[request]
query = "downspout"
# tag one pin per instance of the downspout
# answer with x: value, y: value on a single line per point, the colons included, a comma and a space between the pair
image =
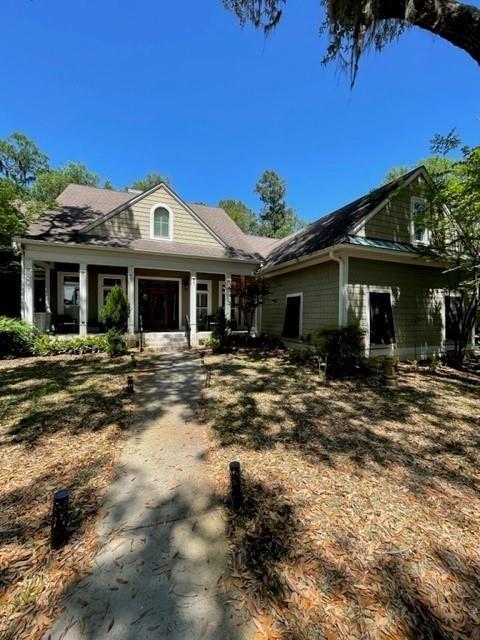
x: 342, y: 285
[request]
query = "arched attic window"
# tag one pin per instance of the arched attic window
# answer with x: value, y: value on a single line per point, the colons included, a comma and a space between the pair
x: 161, y: 222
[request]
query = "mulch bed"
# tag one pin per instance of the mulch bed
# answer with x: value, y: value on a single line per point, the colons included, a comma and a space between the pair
x: 63, y: 423
x: 362, y: 505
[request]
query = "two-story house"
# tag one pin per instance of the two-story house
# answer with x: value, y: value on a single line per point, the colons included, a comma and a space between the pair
x: 175, y: 260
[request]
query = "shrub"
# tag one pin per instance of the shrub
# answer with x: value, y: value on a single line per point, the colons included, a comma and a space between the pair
x: 44, y: 345
x: 16, y: 337
x: 344, y: 349
x: 212, y: 343
x: 116, y: 345
x: 116, y: 310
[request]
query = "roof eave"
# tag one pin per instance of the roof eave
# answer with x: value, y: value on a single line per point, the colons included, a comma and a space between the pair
x: 24, y: 240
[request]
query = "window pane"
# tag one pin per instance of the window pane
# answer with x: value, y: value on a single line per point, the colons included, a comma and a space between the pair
x: 161, y: 223
x: 291, y: 325
x: 111, y: 282
x: 453, y: 313
x: 39, y: 295
x: 202, y: 286
x: 381, y: 319
x: 71, y: 290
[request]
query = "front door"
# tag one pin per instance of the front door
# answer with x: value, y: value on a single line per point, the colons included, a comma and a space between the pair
x: 159, y: 305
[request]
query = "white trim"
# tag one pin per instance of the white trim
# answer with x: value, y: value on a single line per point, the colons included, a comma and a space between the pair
x: 300, y: 319
x: 83, y: 295
x: 131, y: 299
x: 27, y: 289
x: 193, y: 307
x: 426, y: 233
x: 388, y: 349
x: 60, y: 282
x: 137, y: 306
x: 42, y: 250
x: 421, y: 171
x: 100, y: 287
x: 161, y: 205
x: 209, y: 296
x: 209, y: 293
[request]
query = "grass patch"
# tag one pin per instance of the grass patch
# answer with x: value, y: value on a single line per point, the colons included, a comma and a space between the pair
x: 362, y: 504
x: 63, y: 420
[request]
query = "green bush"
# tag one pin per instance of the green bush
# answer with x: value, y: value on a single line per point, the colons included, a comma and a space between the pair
x: 115, y: 341
x: 16, y: 338
x: 44, y: 345
x: 116, y: 310
x: 212, y: 343
x: 343, y: 348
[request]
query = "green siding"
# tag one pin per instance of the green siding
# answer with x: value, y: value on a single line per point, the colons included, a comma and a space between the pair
x: 417, y: 299
x: 393, y: 221
x: 319, y: 285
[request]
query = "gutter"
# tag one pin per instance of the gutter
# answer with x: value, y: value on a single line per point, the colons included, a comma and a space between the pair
x: 342, y: 286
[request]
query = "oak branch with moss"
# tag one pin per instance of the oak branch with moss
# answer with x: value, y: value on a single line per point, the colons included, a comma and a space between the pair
x: 357, y: 25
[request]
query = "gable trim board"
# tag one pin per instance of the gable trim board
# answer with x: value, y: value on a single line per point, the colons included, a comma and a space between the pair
x: 138, y: 197
x: 362, y: 223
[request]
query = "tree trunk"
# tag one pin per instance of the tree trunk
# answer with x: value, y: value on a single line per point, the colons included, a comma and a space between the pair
x: 454, y: 21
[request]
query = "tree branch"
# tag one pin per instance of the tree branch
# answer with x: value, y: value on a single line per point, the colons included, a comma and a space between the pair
x: 454, y: 21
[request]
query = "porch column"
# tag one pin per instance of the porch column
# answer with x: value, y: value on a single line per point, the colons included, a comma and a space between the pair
x: 193, y: 306
x: 48, y: 308
x: 83, y: 295
x: 27, y: 289
x: 228, y: 297
x: 131, y: 299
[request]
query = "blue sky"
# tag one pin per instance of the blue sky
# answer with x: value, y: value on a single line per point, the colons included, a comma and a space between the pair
x: 130, y: 86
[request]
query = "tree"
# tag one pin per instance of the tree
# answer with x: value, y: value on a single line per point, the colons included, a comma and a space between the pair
x: 244, y: 217
x: 21, y: 160
x: 453, y: 219
x: 354, y: 26
x: 148, y: 181
x: 116, y: 310
x: 50, y: 184
x: 436, y: 166
x: 276, y: 219
x: 250, y: 293
x: 17, y: 210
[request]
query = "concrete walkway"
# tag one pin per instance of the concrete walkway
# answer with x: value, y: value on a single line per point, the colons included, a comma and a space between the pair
x: 164, y: 547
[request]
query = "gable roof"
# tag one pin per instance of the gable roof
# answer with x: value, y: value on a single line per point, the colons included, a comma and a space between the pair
x: 336, y: 226
x: 81, y: 208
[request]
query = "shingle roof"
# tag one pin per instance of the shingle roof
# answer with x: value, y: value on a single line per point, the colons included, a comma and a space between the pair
x: 263, y: 245
x: 221, y: 224
x: 80, y: 205
x: 331, y: 229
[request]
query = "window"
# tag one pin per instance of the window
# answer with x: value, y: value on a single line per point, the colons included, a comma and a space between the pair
x: 39, y: 294
x: 105, y: 285
x: 418, y: 231
x: 161, y: 223
x: 203, y: 304
x: 453, y: 313
x: 381, y: 319
x: 69, y: 294
x: 292, y: 324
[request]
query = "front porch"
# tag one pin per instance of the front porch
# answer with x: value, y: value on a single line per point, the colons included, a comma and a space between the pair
x: 67, y: 298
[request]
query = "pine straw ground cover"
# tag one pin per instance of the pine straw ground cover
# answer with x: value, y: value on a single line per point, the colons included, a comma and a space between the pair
x: 62, y: 423
x: 362, y: 506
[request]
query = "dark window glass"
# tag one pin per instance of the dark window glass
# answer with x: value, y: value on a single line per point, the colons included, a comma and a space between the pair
x: 39, y: 295
x: 453, y: 312
x: 381, y: 319
x: 291, y: 325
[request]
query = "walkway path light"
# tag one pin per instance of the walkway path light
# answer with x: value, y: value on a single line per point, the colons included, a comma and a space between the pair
x: 58, y: 535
